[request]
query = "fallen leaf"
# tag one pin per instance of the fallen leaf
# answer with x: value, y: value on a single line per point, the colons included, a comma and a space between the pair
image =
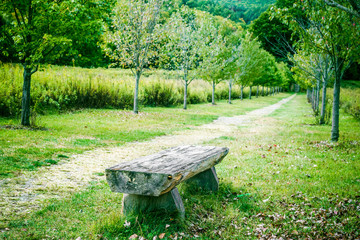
x: 167, y: 225
x: 161, y: 235
x: 134, y: 236
x: 127, y: 224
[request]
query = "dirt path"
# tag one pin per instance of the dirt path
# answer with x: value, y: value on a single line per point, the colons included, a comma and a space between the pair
x: 24, y: 194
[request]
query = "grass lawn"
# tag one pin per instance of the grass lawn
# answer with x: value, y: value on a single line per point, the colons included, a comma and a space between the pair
x: 78, y: 131
x: 282, y: 178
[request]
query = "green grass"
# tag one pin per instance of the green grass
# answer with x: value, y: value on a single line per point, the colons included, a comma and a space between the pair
x: 281, y: 178
x: 82, y: 130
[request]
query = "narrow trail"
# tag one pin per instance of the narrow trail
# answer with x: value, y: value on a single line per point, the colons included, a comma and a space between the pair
x: 24, y: 194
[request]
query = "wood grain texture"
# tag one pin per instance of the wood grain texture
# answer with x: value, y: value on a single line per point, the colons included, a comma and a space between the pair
x: 157, y: 174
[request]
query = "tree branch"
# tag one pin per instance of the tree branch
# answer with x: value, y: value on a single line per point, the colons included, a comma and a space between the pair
x: 332, y: 3
x: 35, y: 70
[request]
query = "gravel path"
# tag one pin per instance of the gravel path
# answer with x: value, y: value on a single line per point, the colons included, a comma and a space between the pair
x: 24, y: 194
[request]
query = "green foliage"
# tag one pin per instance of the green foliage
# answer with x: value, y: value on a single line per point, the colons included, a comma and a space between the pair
x: 87, y: 22
x: 272, y: 34
x: 129, y: 41
x: 248, y: 61
x: 237, y: 11
x: 269, y: 72
x: 35, y: 31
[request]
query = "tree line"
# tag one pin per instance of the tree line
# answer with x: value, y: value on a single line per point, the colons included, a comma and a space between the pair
x: 320, y: 40
x: 138, y: 35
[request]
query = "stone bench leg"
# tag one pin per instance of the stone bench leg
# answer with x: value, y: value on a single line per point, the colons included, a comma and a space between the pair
x: 170, y: 201
x: 206, y: 180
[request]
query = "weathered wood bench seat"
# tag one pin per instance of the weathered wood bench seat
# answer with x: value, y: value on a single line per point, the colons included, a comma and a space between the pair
x: 149, y: 182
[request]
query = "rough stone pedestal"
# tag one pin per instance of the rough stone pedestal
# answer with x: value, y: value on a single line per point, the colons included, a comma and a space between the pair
x: 206, y: 180
x: 170, y: 201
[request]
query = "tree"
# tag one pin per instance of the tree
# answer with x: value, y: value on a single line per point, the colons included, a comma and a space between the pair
x: 213, y: 63
x: 183, y: 47
x: 330, y: 31
x: 248, y: 57
x: 314, y: 69
x: 213, y: 51
x: 36, y: 32
x: 272, y: 33
x: 269, y: 69
x: 130, y: 40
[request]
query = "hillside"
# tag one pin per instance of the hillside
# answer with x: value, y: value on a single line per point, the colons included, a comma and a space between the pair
x: 236, y: 10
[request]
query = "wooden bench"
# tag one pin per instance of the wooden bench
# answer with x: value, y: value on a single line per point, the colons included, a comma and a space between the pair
x: 149, y: 182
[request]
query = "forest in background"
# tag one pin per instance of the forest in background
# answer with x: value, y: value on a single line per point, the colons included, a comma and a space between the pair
x: 237, y: 11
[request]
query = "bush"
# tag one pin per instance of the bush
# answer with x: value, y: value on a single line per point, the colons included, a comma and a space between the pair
x: 160, y: 93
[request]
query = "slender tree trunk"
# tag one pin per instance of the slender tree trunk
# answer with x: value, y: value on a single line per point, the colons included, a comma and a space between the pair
x: 250, y: 92
x: 185, y: 94
x: 313, y: 99
x: 262, y: 92
x: 308, y: 95
x: 230, y: 86
x: 25, y: 102
x: 242, y: 92
x: 136, y: 93
x: 323, y: 103
x: 267, y: 91
x: 257, y: 91
x: 317, y: 97
x: 336, y: 104
x: 213, y: 93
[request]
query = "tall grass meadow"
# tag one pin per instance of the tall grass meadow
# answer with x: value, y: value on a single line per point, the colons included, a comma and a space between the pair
x: 56, y: 88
